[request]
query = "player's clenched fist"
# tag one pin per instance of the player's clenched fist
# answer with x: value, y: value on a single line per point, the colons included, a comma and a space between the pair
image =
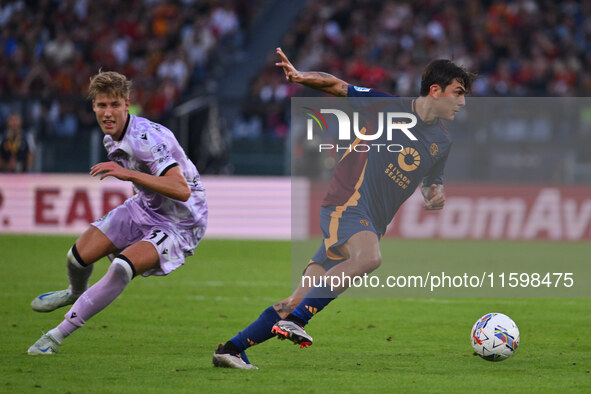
x: 434, y: 197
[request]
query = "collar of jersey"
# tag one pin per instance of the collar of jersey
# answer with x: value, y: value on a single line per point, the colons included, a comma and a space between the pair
x: 125, y: 128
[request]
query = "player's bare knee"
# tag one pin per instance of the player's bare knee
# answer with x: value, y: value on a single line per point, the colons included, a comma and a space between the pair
x: 374, y: 263
x: 365, y: 264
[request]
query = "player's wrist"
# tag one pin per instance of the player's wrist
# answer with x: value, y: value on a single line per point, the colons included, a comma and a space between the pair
x: 425, y: 191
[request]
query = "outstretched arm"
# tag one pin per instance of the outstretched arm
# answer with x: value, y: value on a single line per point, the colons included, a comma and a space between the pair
x: 313, y: 79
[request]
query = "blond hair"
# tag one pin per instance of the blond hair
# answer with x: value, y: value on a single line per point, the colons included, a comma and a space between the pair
x: 111, y: 83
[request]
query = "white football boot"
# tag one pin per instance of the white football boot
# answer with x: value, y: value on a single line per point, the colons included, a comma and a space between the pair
x: 45, y: 345
x: 51, y: 301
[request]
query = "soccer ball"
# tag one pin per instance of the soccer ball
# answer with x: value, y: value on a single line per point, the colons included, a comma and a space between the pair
x: 495, y: 337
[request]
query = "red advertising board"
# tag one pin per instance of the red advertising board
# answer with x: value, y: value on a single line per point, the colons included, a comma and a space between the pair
x: 490, y: 212
x: 239, y: 207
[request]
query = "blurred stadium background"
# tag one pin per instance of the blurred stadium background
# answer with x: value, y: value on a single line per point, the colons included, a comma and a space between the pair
x: 206, y: 70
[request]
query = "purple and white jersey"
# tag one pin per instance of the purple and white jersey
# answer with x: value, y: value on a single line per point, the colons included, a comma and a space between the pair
x: 151, y: 148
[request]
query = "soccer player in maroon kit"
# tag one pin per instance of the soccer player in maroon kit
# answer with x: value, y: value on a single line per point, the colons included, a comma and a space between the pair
x: 367, y: 188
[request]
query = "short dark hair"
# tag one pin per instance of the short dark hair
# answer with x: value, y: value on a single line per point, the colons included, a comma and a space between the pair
x: 443, y: 72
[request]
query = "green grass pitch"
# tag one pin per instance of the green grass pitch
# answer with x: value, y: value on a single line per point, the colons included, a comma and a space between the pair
x: 159, y: 335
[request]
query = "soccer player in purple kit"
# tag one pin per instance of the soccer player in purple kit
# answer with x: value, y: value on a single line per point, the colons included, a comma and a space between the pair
x: 151, y: 233
x: 366, y: 190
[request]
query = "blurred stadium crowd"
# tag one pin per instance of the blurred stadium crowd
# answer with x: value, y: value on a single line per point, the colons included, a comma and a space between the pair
x: 50, y: 48
x: 172, y: 49
x: 518, y: 48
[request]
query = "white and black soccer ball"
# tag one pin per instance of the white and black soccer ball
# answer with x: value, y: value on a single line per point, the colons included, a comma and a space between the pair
x: 495, y: 337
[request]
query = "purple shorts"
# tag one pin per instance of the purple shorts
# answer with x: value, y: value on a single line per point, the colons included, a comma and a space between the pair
x: 132, y: 222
